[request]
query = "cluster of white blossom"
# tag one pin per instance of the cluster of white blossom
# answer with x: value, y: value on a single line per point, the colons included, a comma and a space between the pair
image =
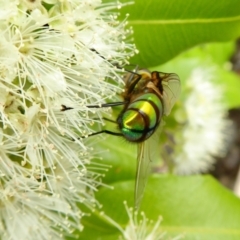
x: 52, y: 53
x: 204, y: 131
x: 140, y: 228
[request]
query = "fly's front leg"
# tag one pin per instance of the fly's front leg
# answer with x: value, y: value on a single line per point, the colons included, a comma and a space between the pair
x: 131, y: 80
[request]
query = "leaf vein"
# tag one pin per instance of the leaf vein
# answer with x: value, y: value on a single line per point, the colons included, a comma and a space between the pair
x: 184, y: 21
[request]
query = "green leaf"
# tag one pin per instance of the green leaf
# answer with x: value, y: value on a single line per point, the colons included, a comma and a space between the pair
x: 231, y: 85
x: 121, y: 156
x: 197, y: 207
x: 164, y: 28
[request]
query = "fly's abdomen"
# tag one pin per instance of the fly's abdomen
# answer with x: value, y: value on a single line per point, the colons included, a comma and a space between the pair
x: 139, y: 121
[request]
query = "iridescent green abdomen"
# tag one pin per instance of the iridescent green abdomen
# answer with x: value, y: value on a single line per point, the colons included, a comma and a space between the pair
x: 140, y: 118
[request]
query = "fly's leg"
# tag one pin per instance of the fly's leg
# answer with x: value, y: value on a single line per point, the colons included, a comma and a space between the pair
x: 65, y: 108
x: 113, y: 104
x: 131, y: 82
x: 100, y: 132
x: 104, y: 131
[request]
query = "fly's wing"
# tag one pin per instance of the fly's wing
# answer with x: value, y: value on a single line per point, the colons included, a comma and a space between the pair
x: 147, y: 152
x: 143, y: 163
x: 171, y: 90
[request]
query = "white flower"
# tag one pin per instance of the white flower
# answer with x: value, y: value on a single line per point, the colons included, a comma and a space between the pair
x: 143, y: 229
x: 205, y: 132
x: 52, y: 56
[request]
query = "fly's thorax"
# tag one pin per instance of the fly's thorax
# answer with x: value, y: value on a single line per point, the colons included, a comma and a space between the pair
x: 131, y: 76
x: 135, y: 82
x: 141, y: 117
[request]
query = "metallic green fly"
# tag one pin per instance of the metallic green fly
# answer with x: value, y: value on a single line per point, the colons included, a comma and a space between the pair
x: 147, y: 97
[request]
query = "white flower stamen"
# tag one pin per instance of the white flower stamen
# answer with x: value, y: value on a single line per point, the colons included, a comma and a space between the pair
x: 49, y: 57
x: 140, y: 229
